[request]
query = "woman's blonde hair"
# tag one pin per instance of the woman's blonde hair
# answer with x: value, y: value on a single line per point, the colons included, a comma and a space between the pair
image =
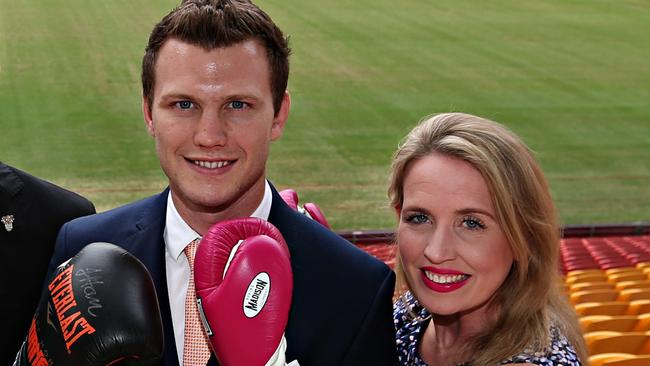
x: 529, y: 300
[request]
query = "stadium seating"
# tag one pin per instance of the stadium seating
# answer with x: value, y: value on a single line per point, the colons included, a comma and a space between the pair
x: 603, y: 341
x: 632, y: 284
x: 586, y: 277
x: 587, y: 286
x: 608, y: 253
x: 634, y: 294
x: 634, y: 360
x: 608, y: 282
x: 619, y: 323
x: 637, y: 307
x: 627, y: 276
x: 619, y: 359
x: 593, y: 296
x: 602, y: 308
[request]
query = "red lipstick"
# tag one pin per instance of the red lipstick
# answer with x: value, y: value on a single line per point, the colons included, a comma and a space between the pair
x: 442, y: 287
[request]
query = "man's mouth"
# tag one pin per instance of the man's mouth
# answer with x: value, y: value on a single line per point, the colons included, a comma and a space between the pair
x: 212, y: 164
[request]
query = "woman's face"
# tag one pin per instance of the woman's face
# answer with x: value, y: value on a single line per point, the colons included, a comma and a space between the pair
x: 453, y: 252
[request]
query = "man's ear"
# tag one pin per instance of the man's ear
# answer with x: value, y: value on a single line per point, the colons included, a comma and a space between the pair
x: 148, y: 119
x: 280, y: 119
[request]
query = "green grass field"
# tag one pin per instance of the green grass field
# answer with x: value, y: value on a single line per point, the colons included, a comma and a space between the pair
x: 571, y: 77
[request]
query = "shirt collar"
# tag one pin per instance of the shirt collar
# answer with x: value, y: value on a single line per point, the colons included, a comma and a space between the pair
x: 178, y: 233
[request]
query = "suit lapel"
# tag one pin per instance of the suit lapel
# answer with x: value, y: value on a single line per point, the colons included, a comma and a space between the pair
x: 148, y: 245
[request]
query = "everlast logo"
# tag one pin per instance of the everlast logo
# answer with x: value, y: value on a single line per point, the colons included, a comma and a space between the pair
x: 256, y: 294
x: 73, y: 324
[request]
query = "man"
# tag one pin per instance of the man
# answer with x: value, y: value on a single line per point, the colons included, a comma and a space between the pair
x: 31, y: 213
x: 214, y: 97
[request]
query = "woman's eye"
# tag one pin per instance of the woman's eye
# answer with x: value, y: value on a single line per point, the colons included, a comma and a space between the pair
x: 184, y: 104
x: 417, y: 218
x: 473, y: 223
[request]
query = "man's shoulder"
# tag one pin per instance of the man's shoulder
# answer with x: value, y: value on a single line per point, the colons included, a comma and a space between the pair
x: 113, y: 225
x: 322, y: 247
x: 352, y: 253
x: 129, y: 213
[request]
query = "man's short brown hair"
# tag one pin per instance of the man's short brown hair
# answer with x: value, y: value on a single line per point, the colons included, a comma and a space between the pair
x: 212, y: 24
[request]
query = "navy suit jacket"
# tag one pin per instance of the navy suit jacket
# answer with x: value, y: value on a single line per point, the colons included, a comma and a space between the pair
x: 341, y: 311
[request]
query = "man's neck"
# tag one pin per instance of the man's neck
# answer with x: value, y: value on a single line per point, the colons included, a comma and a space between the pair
x: 201, y: 218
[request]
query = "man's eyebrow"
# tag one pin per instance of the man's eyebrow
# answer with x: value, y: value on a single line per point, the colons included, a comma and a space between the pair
x: 175, y: 96
x: 242, y: 97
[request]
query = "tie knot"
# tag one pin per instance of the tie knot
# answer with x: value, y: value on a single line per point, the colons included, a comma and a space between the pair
x: 190, y: 251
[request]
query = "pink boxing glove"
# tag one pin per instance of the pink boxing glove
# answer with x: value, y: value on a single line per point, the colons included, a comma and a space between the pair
x: 243, y: 280
x: 290, y: 197
x: 311, y: 210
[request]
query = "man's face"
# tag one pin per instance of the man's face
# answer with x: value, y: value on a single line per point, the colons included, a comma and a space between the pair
x: 212, y: 119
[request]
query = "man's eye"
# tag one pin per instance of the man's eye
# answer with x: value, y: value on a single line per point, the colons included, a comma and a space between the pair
x: 237, y: 104
x: 184, y: 104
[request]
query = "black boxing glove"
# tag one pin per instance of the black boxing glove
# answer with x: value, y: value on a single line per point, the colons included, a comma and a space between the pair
x: 99, y: 308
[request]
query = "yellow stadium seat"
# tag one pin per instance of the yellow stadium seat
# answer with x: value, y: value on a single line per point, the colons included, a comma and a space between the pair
x: 646, y: 348
x: 602, y: 308
x: 634, y: 294
x: 586, y: 286
x: 588, y: 277
x: 618, y: 323
x: 642, y: 265
x: 620, y: 277
x: 593, y: 296
x: 601, y: 358
x: 632, y: 284
x: 619, y: 270
x: 638, y: 360
x: 636, y: 307
x: 580, y: 272
x: 623, y: 342
x: 643, y: 323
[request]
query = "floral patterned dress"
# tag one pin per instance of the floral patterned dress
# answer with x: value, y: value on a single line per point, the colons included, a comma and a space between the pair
x: 409, y: 332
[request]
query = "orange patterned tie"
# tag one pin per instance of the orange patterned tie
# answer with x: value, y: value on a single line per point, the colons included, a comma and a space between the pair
x: 196, y: 350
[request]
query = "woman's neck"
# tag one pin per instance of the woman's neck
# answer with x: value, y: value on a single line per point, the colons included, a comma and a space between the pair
x: 446, y: 336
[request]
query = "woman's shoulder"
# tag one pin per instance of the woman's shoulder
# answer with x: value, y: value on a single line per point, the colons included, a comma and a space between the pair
x: 558, y: 352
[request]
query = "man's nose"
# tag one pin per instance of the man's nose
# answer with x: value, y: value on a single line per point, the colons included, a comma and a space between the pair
x: 211, y: 130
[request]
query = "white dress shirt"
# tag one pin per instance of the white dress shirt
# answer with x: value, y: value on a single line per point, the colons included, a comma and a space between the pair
x: 178, y: 234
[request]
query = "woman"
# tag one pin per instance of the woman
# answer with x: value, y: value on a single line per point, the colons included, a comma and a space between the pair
x: 477, y: 250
